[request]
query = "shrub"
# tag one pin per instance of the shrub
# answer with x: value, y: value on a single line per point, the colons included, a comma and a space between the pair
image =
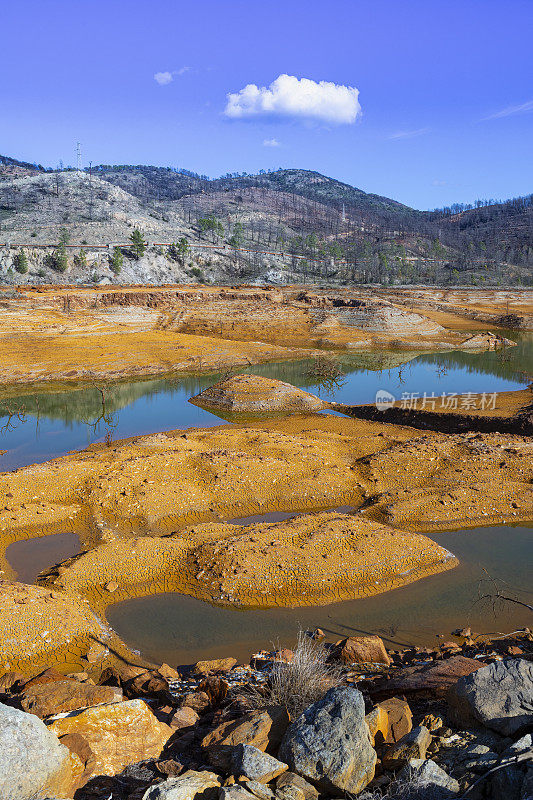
x: 81, y: 259
x: 41, y: 273
x: 301, y: 682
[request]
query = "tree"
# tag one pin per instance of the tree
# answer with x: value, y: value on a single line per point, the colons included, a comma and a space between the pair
x: 59, y: 257
x: 177, y: 251
x: 116, y: 260
x: 237, y: 236
x: 81, y: 259
x: 21, y: 262
x: 138, y: 244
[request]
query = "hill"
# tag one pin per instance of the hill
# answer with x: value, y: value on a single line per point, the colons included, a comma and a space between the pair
x: 287, y: 225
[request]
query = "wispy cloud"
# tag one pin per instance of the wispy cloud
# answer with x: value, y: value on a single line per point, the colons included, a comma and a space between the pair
x: 409, y: 134
x: 164, y: 78
x: 293, y: 97
x: 436, y: 182
x: 271, y: 143
x: 510, y: 111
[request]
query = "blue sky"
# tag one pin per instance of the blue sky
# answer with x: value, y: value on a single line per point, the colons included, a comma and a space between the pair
x: 443, y: 110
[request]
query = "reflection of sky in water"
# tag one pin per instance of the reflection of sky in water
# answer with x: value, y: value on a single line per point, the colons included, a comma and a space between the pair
x: 154, y: 405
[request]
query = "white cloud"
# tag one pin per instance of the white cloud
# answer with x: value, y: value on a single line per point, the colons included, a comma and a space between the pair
x: 271, y: 143
x: 303, y: 98
x: 523, y: 108
x: 164, y: 78
x: 436, y: 182
x: 409, y: 134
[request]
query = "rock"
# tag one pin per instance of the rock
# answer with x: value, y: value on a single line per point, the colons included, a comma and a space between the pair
x: 186, y: 787
x: 217, y: 665
x: 361, y: 650
x: 254, y: 393
x: 429, y: 777
x: 169, y: 673
x: 46, y: 699
x: 389, y: 721
x: 250, y: 762
x: 291, y: 779
x: 215, y: 688
x: 498, y: 696
x: 118, y: 734
x: 427, y: 680
x: 509, y: 783
x: 33, y: 762
x: 285, y: 655
x: 234, y: 792
x: 47, y: 676
x: 329, y: 744
x: 262, y: 729
x: 198, y: 701
x: 111, y: 586
x: 433, y: 722
x: 258, y: 789
x: 184, y: 717
x: 290, y: 792
x: 413, y: 745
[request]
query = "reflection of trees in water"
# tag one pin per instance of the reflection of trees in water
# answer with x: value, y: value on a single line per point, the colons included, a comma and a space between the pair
x: 510, y: 363
x: 84, y: 404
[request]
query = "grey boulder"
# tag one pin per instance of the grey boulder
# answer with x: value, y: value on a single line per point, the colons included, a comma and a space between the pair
x: 428, y: 780
x: 33, y: 762
x: 186, y: 787
x: 329, y: 744
x: 498, y: 696
x: 252, y: 763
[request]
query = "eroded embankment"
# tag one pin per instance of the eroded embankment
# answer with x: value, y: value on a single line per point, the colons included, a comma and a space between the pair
x: 75, y: 334
x: 502, y: 412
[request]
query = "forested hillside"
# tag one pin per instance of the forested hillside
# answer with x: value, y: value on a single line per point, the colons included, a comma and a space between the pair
x: 277, y: 226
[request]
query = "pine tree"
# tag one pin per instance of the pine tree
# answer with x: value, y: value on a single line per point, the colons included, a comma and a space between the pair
x: 21, y: 262
x: 138, y: 243
x: 116, y: 260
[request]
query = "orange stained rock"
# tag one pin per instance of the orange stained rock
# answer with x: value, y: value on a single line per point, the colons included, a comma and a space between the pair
x: 118, y: 733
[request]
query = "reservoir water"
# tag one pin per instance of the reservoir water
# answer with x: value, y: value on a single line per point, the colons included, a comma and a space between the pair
x: 38, y: 423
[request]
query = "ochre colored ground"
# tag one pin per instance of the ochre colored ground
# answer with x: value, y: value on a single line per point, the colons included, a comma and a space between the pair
x: 159, y: 484
x: 314, y: 558
x: 84, y: 334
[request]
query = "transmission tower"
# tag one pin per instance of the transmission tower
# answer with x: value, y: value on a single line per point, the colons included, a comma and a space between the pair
x: 78, y: 157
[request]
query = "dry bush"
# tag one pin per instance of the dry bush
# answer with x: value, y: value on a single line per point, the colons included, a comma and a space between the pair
x: 412, y: 788
x: 301, y: 682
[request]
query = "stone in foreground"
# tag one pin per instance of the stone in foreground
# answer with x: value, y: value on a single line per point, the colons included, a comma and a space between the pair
x: 118, y: 734
x: 261, y: 729
x: 45, y: 699
x: 249, y: 762
x: 413, y: 745
x: 186, y: 787
x: 389, y: 721
x: 498, y: 696
x: 329, y: 744
x: 33, y: 762
x: 433, y: 782
x: 361, y: 650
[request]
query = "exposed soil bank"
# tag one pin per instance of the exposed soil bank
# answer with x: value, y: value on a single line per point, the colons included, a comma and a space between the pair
x: 507, y: 412
x: 53, y: 334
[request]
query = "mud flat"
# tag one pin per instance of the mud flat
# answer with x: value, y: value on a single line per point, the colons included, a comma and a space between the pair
x: 125, y: 499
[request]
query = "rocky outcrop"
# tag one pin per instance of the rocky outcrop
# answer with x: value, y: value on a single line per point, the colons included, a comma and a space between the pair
x: 499, y: 696
x: 427, y: 680
x: 33, y: 763
x: 329, y: 744
x: 253, y: 393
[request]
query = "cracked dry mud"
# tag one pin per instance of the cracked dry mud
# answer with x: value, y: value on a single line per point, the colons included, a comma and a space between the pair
x: 150, y: 509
